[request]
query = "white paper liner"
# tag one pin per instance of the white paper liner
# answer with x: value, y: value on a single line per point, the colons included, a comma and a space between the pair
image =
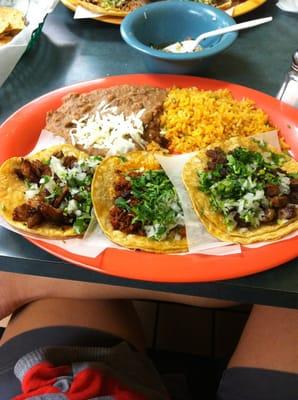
x: 95, y: 241
x: 91, y: 247
x: 230, y: 11
x: 288, y: 5
x: 199, y: 240
x: 83, y: 13
x: 46, y: 139
x: 270, y: 137
x: 35, y: 11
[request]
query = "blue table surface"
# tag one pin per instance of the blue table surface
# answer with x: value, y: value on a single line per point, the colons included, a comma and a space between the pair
x: 70, y: 51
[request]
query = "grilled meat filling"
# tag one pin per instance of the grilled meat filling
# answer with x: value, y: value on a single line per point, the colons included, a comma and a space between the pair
x: 273, y: 192
x: 133, y: 212
x: 58, y: 191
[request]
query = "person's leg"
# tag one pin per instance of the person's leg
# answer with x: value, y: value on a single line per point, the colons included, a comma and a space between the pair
x: 17, y: 290
x: 269, y: 340
x: 98, y: 329
x: 117, y: 317
x: 264, y: 365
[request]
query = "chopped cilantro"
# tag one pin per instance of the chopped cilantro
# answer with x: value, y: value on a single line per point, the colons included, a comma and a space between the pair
x: 45, y: 179
x: 122, y: 203
x: 81, y: 223
x: 158, y: 208
x: 76, y: 203
x: 122, y: 158
x: 240, y: 192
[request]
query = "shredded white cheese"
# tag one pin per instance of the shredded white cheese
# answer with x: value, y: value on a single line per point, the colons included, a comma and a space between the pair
x: 108, y: 131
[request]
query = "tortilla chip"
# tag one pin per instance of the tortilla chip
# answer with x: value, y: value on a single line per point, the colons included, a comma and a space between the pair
x: 12, y: 193
x: 102, y: 193
x: 5, y: 39
x: 13, y: 18
x: 214, y: 221
x: 4, y: 25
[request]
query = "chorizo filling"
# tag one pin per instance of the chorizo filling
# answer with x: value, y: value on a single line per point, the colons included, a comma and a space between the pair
x: 147, y: 204
x: 249, y: 188
x: 58, y: 191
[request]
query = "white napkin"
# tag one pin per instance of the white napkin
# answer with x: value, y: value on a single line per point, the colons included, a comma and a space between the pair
x: 288, y: 5
x: 82, y: 13
x: 230, y: 11
x: 199, y: 240
x: 35, y: 11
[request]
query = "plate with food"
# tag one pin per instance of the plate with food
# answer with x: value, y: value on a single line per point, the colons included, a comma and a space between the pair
x: 109, y: 11
x: 119, y: 135
x: 113, y: 11
x: 235, y: 8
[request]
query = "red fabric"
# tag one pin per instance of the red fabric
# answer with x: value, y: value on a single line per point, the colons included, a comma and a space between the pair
x: 86, y: 384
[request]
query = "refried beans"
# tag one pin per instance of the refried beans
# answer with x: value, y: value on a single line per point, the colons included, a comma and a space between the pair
x: 126, y: 98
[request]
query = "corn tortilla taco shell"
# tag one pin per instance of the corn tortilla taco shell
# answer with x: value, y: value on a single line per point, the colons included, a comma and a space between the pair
x: 115, y: 12
x: 103, y: 193
x: 224, y: 5
x: 12, y: 193
x: 213, y: 220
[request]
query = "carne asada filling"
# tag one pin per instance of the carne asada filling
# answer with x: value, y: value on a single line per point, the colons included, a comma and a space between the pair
x: 58, y: 191
x: 249, y: 188
x: 147, y: 204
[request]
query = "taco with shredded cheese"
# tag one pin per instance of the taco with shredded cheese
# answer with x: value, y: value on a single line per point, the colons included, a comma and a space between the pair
x: 136, y: 205
x: 48, y: 193
x: 244, y: 191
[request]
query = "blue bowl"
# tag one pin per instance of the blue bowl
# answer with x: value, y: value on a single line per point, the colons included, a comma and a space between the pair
x: 165, y: 22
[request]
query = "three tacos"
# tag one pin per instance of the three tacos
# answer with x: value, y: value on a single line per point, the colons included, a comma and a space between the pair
x: 242, y: 190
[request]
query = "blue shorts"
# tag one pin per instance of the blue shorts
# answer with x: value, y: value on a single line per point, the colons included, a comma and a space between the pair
x: 236, y: 383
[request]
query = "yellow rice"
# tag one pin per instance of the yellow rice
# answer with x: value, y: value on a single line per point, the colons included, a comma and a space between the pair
x: 193, y: 118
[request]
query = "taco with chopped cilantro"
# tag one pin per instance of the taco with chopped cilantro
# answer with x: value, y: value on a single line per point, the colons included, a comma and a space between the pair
x: 48, y: 193
x: 116, y: 8
x: 136, y: 205
x: 244, y: 191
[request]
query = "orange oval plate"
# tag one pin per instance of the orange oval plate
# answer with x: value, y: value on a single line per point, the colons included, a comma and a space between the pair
x: 109, y: 19
x: 20, y: 132
x: 245, y: 7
